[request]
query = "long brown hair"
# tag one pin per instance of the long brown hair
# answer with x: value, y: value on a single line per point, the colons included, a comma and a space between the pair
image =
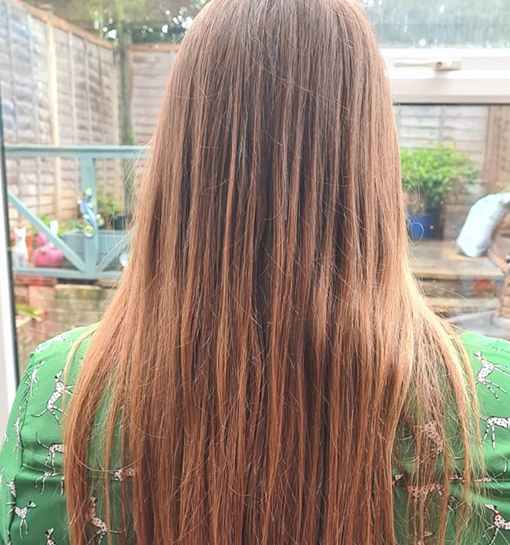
x: 267, y: 342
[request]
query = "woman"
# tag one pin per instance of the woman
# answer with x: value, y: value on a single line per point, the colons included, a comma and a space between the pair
x: 268, y: 371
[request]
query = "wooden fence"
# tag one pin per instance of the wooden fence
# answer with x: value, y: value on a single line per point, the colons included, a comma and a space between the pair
x: 61, y: 86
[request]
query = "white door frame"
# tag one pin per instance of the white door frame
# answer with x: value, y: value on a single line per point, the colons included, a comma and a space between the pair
x: 8, y: 372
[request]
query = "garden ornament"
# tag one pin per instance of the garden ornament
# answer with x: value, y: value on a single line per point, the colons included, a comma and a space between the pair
x: 46, y: 255
x: 92, y: 220
x: 20, y: 251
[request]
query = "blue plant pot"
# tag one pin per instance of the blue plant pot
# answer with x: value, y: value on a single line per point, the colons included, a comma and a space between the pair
x: 424, y: 225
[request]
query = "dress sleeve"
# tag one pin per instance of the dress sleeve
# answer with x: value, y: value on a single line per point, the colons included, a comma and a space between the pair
x: 11, y: 456
x: 32, y: 498
x: 488, y: 520
x: 490, y: 359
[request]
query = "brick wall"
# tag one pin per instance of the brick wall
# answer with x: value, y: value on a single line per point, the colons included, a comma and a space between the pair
x: 63, y: 306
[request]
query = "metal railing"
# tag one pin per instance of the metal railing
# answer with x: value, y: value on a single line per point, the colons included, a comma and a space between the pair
x: 90, y: 266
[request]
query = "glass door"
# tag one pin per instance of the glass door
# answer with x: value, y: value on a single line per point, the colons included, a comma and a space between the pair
x: 452, y: 108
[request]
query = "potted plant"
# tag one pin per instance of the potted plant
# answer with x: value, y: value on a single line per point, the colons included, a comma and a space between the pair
x: 429, y: 176
x: 91, y: 225
x: 109, y: 209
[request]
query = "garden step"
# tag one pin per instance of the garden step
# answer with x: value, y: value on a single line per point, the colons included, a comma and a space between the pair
x: 446, y: 274
x: 463, y: 305
x: 461, y: 287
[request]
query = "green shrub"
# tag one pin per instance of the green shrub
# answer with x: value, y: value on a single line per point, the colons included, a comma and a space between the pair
x: 434, y: 173
x: 70, y: 225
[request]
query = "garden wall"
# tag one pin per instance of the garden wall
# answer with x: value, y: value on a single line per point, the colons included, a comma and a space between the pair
x: 63, y: 306
x: 497, y: 157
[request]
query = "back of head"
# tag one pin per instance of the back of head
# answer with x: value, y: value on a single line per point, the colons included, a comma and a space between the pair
x: 267, y: 331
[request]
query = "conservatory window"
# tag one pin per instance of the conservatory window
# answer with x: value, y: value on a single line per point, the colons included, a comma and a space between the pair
x: 448, y: 63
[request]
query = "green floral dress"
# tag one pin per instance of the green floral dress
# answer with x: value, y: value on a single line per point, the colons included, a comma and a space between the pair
x: 32, y: 491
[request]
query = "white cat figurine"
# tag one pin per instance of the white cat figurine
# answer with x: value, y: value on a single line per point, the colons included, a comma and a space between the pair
x: 20, y: 250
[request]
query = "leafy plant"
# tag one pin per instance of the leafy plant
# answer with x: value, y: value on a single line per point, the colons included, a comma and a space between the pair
x: 108, y: 208
x: 46, y: 219
x: 70, y: 224
x: 63, y: 227
x: 434, y: 173
x: 28, y: 311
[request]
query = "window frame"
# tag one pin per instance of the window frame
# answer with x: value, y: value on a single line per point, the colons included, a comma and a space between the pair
x: 483, y: 77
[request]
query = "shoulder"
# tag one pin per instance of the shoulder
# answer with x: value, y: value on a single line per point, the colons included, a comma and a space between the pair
x: 53, y: 368
x: 51, y: 371
x: 61, y: 355
x: 31, y: 476
x: 476, y: 341
x: 490, y: 361
x: 63, y: 345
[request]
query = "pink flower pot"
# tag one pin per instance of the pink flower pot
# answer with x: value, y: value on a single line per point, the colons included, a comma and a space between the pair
x: 48, y: 257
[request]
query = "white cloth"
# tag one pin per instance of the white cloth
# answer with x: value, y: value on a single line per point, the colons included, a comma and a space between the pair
x: 482, y: 221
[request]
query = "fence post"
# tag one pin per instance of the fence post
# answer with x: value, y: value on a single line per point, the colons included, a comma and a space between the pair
x: 53, y: 96
x: 88, y: 184
x: 126, y: 75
